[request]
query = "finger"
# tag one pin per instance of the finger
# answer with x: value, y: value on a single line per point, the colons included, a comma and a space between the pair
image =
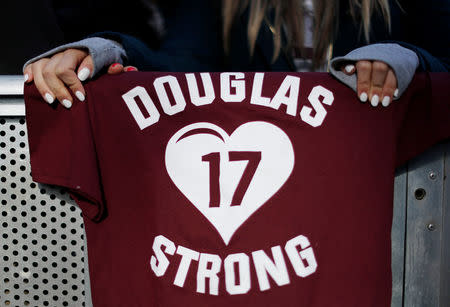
x: 130, y: 68
x: 28, y: 74
x: 348, y: 69
x: 389, y: 87
x: 115, y: 68
x: 52, y: 75
x: 379, y: 73
x: 65, y: 72
x: 41, y: 85
x: 364, y: 75
x: 86, y: 67
x: 396, y: 93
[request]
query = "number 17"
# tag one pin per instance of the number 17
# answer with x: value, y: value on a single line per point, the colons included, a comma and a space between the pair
x: 253, y: 158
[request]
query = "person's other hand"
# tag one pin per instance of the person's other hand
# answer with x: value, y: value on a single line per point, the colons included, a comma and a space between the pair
x: 117, y: 68
x: 376, y: 81
x: 65, y: 71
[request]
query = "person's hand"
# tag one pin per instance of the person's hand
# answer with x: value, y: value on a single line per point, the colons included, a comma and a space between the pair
x: 65, y: 71
x: 54, y: 76
x: 117, y: 68
x: 376, y: 81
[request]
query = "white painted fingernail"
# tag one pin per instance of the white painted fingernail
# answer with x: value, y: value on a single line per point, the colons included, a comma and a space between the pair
x: 363, y: 97
x: 375, y: 100
x: 396, y: 93
x: 79, y: 95
x: 25, y: 78
x: 67, y: 103
x: 349, y: 68
x: 84, y: 74
x: 386, y: 101
x: 49, y: 98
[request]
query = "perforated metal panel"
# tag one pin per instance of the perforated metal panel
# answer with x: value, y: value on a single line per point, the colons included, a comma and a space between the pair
x: 41, y: 230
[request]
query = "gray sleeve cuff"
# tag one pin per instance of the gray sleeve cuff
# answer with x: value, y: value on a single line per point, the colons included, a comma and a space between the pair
x: 103, y: 51
x: 403, y: 62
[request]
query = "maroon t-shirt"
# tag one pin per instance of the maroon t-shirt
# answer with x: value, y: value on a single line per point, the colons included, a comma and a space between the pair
x: 234, y: 189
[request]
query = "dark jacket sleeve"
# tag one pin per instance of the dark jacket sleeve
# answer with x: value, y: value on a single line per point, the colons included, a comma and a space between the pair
x: 192, y: 42
x: 194, y: 38
x: 421, y: 26
x: 427, y: 33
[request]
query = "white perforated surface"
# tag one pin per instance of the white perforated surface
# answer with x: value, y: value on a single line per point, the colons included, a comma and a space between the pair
x: 41, y: 232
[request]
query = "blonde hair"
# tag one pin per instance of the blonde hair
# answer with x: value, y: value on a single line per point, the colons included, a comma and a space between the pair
x: 290, y: 13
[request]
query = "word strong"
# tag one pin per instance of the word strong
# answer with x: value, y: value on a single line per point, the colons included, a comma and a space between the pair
x: 206, y: 268
x: 232, y: 90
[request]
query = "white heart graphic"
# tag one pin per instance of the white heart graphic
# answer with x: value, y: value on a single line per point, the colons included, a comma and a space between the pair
x: 198, y: 162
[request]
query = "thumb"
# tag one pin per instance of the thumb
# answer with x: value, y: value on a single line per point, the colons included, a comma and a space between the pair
x: 348, y: 69
x: 86, y: 68
x: 28, y: 74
